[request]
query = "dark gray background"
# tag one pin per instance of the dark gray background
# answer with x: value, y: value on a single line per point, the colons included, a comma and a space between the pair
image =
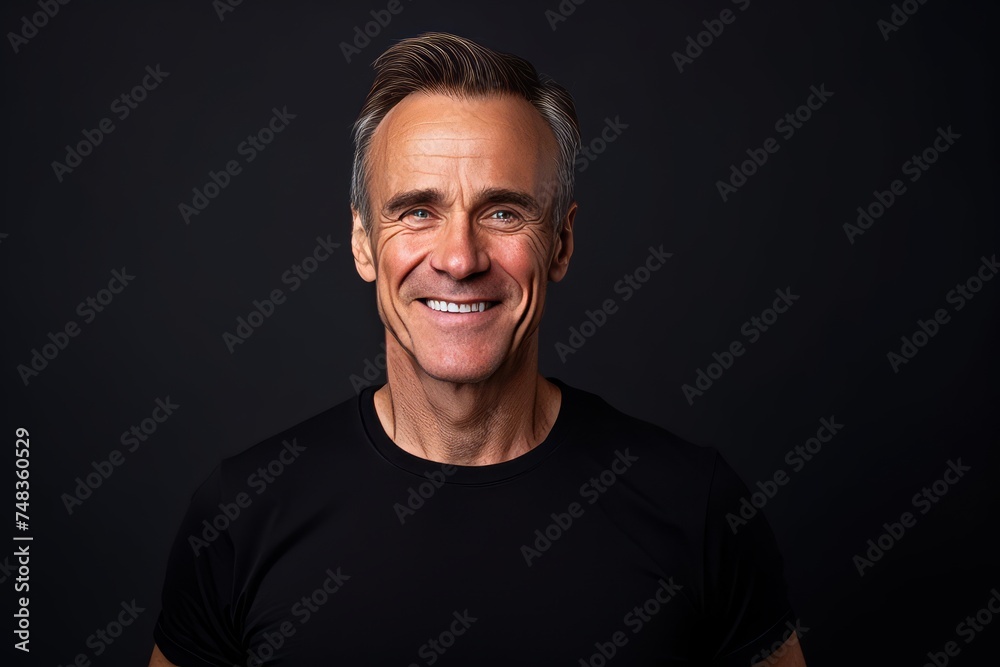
x: 655, y: 184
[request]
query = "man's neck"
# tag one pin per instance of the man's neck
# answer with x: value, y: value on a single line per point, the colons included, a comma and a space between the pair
x: 465, y: 424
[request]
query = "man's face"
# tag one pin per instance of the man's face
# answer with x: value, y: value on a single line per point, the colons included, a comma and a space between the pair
x: 461, y: 196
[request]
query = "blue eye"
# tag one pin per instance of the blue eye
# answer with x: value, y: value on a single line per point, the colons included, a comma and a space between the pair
x: 415, y: 213
x: 511, y: 216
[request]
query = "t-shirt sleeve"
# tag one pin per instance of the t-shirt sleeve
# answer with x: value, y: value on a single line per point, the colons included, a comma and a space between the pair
x: 196, y: 622
x: 746, y: 596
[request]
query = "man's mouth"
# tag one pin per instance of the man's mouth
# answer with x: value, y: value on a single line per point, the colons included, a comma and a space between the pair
x: 458, y: 306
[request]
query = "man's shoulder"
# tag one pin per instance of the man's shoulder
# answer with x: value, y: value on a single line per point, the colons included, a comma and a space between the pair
x: 314, y: 437
x: 600, y: 420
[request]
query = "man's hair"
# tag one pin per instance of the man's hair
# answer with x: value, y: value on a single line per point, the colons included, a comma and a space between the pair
x: 439, y: 62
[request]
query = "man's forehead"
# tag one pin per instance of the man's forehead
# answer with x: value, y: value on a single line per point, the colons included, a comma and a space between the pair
x: 437, y: 114
x: 436, y: 132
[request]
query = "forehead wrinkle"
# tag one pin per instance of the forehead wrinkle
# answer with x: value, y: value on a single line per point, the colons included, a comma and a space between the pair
x: 422, y: 140
x: 441, y: 155
x: 523, y: 126
x: 400, y: 139
x: 439, y: 128
x: 527, y: 127
x: 428, y: 146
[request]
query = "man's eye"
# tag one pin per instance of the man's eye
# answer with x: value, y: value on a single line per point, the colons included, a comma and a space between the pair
x: 506, y: 216
x: 416, y: 213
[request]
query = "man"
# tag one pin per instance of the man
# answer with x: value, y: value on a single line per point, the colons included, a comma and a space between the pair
x: 470, y: 511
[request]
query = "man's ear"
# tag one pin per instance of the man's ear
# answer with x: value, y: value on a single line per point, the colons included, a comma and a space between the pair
x: 564, y: 246
x: 362, y: 249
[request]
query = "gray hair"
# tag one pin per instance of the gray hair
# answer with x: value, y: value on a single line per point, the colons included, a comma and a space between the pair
x: 444, y: 63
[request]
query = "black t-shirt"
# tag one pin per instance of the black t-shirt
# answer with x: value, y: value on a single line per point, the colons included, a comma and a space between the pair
x: 328, y: 544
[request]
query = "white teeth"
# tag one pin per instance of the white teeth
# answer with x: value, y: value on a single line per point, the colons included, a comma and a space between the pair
x: 448, y: 307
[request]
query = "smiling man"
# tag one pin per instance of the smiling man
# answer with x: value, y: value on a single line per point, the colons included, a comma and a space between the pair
x: 470, y: 511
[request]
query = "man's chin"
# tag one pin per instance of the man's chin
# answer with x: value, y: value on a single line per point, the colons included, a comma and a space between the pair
x: 458, y: 370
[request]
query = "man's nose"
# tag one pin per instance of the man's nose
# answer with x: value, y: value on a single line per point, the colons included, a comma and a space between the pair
x: 458, y: 250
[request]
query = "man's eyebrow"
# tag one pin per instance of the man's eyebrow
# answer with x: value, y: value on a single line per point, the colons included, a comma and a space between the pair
x: 404, y: 200
x: 507, y: 196
x: 432, y: 196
